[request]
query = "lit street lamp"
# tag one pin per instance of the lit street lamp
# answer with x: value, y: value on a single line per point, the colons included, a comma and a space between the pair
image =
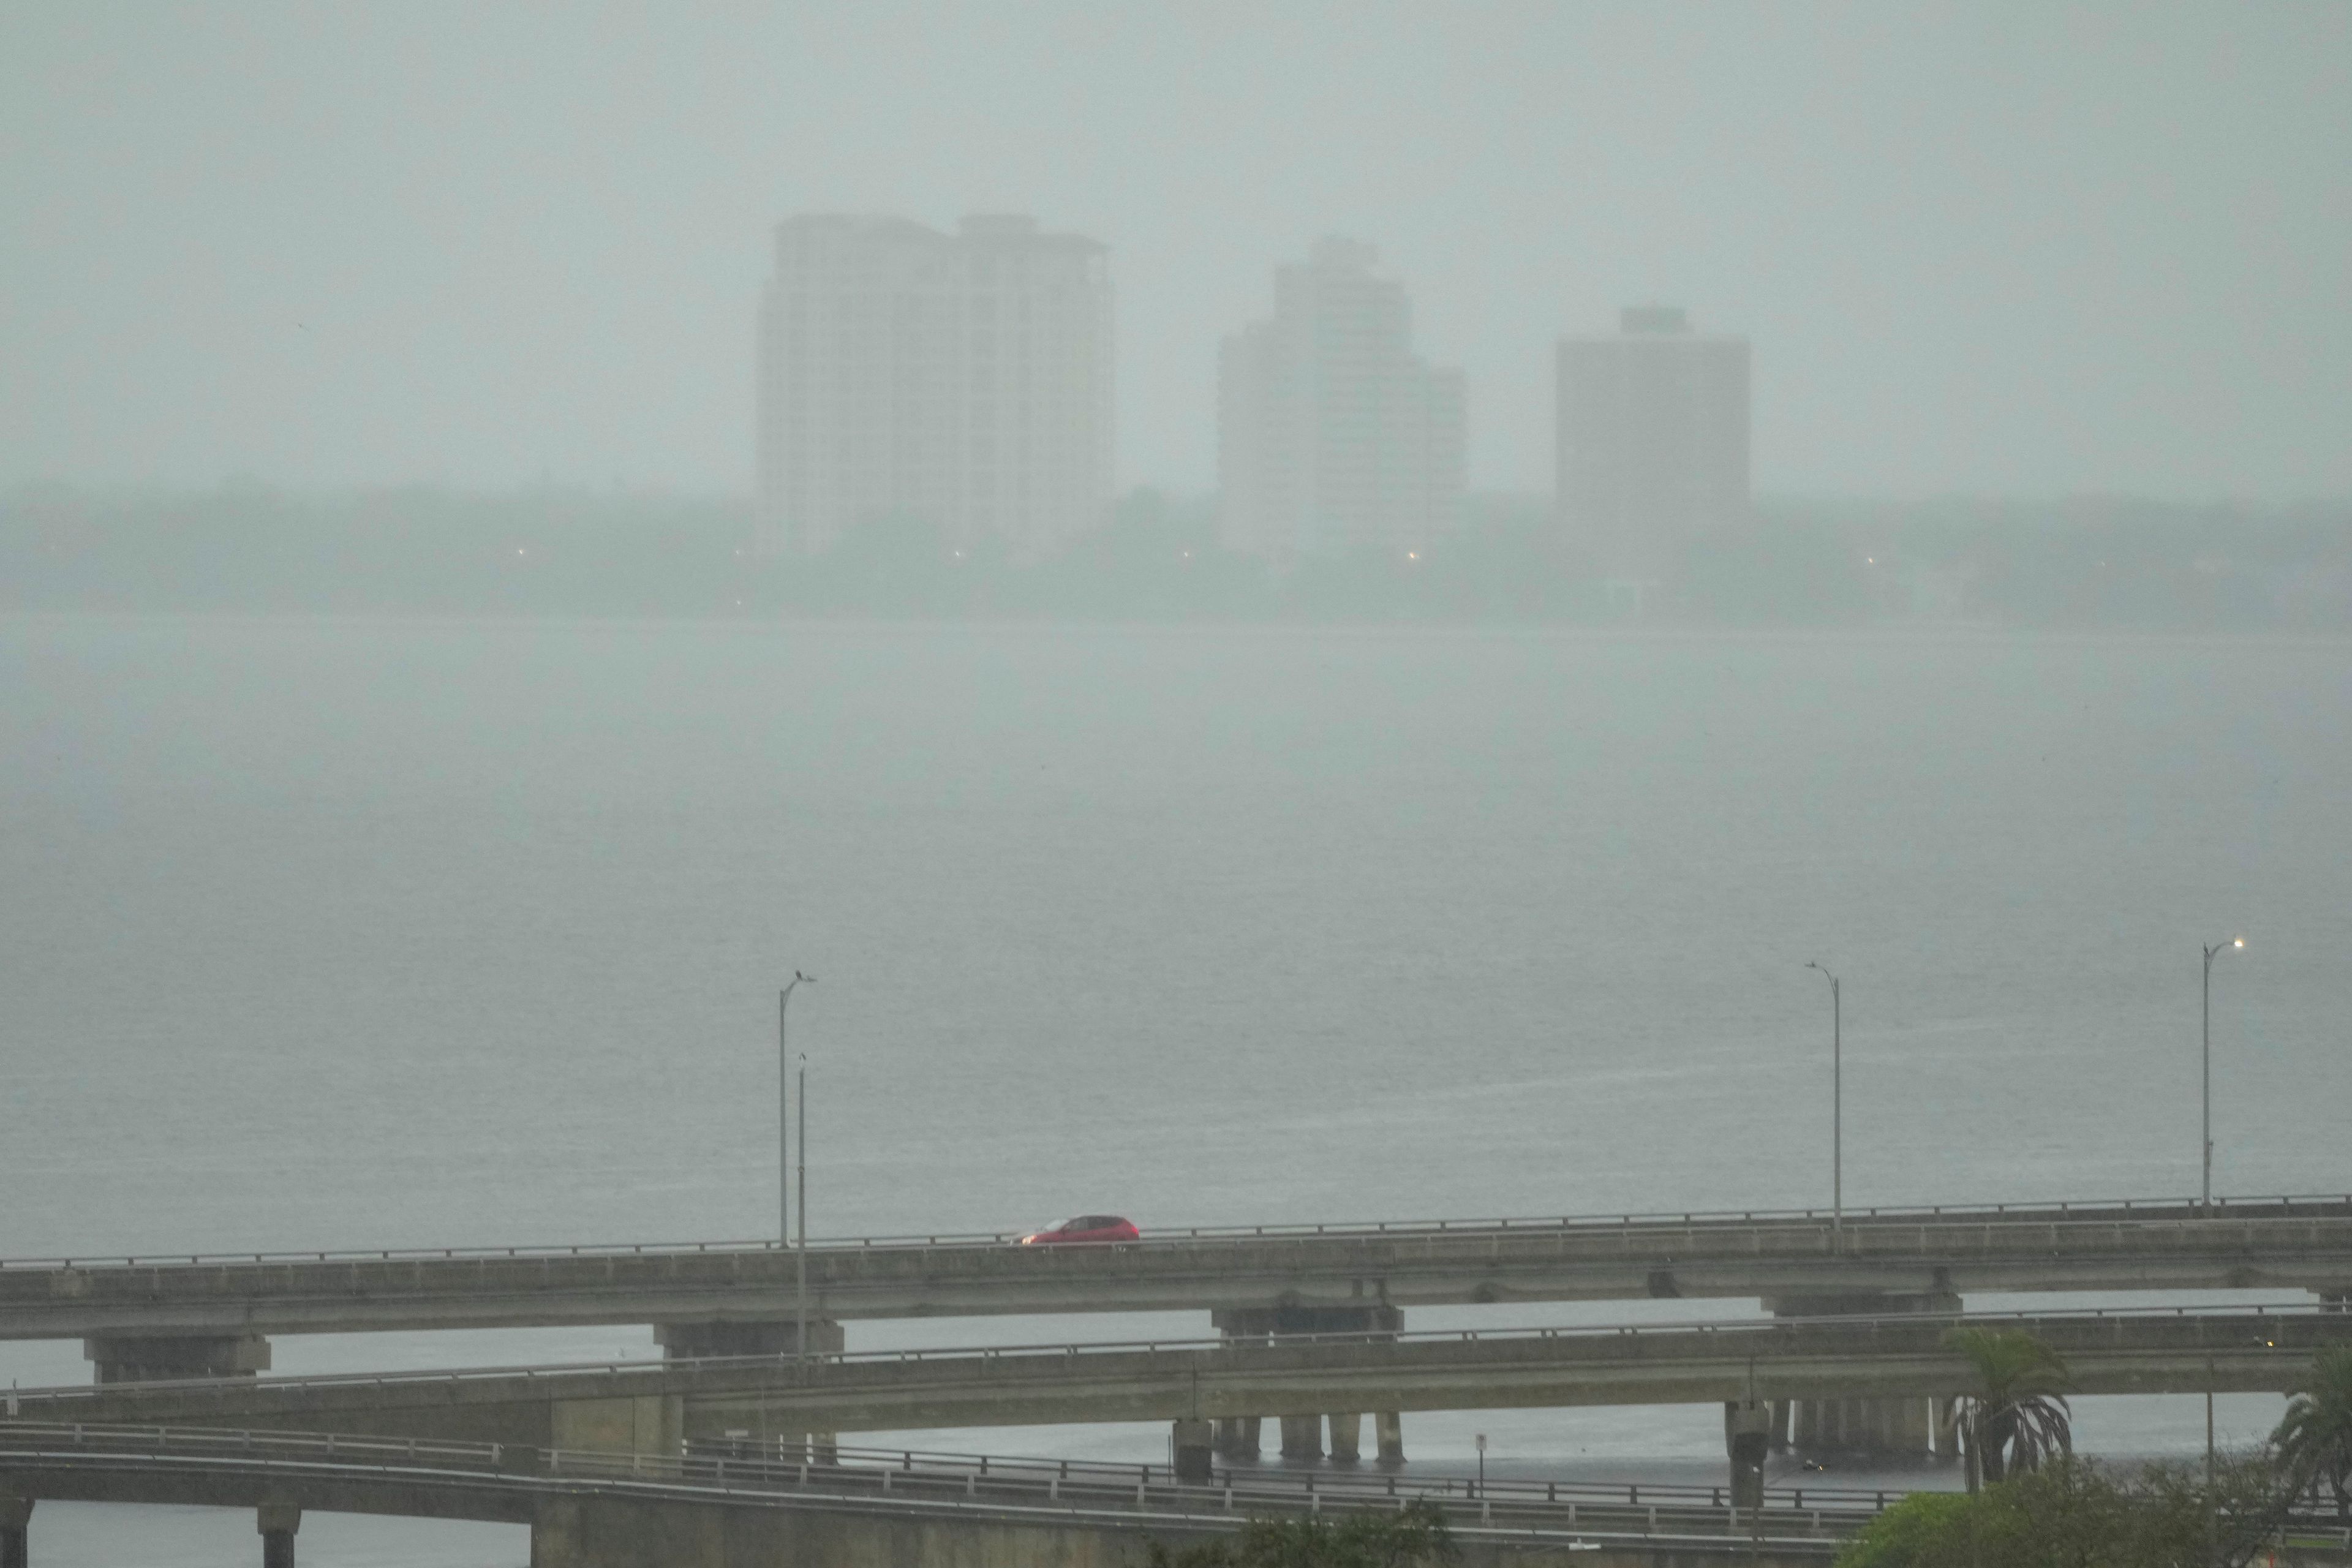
x: 2212, y: 951
x: 1837, y: 1100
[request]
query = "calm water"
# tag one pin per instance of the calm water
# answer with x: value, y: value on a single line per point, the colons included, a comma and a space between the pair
x: 332, y: 933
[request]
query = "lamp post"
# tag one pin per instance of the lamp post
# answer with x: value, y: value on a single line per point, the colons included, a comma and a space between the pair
x: 784, y: 1144
x: 1837, y: 1099
x: 2212, y: 951
x: 1482, y: 1468
x: 800, y: 1252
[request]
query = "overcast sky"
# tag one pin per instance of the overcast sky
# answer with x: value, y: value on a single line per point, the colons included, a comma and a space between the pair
x: 2016, y: 250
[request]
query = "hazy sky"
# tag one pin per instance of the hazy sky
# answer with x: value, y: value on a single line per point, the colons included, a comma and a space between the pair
x: 2002, y: 249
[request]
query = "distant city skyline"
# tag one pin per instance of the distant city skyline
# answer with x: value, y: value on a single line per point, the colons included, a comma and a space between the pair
x: 2000, y: 250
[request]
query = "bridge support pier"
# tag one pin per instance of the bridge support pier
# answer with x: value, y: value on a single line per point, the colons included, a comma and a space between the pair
x: 722, y: 1337
x: 15, y: 1518
x: 1237, y: 1436
x: 1894, y: 1427
x: 1747, y: 1436
x: 278, y: 1521
x: 1302, y: 1435
x: 160, y: 1358
x: 1193, y: 1450
x: 1908, y: 1426
x: 727, y: 1337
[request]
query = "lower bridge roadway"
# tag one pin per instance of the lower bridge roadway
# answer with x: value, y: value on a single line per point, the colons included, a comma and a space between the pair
x: 1751, y: 1367
x: 594, y: 1509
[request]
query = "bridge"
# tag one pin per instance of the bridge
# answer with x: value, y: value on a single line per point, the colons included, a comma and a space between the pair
x: 595, y: 1510
x: 785, y: 1403
x: 142, y: 1317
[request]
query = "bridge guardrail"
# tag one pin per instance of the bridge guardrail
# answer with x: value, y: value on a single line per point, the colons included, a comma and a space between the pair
x: 2286, y: 1206
x: 1545, y: 1508
x: 1910, y: 1323
x: 1656, y: 1514
x: 879, y: 1469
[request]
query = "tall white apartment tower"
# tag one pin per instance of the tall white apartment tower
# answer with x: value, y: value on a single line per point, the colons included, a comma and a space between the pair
x: 962, y: 380
x: 1333, y: 437
x: 1652, y: 440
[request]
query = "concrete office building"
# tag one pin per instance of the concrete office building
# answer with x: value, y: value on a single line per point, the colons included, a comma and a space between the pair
x: 1333, y: 437
x: 961, y: 381
x: 1652, y: 441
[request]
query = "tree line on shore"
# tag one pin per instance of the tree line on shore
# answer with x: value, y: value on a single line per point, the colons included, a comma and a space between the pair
x: 245, y: 547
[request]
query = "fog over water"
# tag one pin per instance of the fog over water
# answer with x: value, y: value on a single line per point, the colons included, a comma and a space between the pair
x: 351, y: 932
x: 521, y: 526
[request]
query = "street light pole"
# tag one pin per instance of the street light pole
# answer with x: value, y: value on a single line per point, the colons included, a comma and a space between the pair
x: 800, y: 1252
x: 783, y: 1112
x: 2212, y: 951
x: 784, y: 1139
x: 1837, y: 1100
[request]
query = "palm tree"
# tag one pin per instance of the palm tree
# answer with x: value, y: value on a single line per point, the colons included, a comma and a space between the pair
x: 2315, y: 1441
x: 2021, y: 1419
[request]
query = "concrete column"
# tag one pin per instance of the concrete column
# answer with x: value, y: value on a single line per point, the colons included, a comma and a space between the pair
x: 1781, y: 1411
x: 1237, y: 1436
x: 1891, y: 1427
x: 1388, y: 1430
x: 650, y: 1424
x: 1346, y: 1436
x: 278, y: 1521
x: 159, y: 1358
x: 15, y: 1518
x: 1947, y: 1419
x: 1302, y: 1436
x: 701, y: 1340
x: 1192, y: 1450
x: 1747, y: 1437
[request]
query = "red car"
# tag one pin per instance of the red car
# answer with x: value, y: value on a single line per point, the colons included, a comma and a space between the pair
x: 1085, y: 1227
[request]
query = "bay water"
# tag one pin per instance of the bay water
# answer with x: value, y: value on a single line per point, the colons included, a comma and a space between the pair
x: 349, y: 932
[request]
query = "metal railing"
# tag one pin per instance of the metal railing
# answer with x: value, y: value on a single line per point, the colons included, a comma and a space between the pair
x: 907, y: 1480
x: 912, y: 1475
x: 2291, y: 1206
x: 1065, y: 1352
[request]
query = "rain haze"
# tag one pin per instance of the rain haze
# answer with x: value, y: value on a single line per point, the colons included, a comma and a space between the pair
x: 1304, y: 617
x: 2004, y: 250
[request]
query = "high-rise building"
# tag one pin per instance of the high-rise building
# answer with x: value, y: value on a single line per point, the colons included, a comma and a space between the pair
x: 959, y: 381
x: 1333, y: 436
x: 1652, y: 440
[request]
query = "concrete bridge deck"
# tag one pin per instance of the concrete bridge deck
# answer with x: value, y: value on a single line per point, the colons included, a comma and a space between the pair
x: 653, y: 1406
x: 2302, y: 1243
x: 600, y: 1510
